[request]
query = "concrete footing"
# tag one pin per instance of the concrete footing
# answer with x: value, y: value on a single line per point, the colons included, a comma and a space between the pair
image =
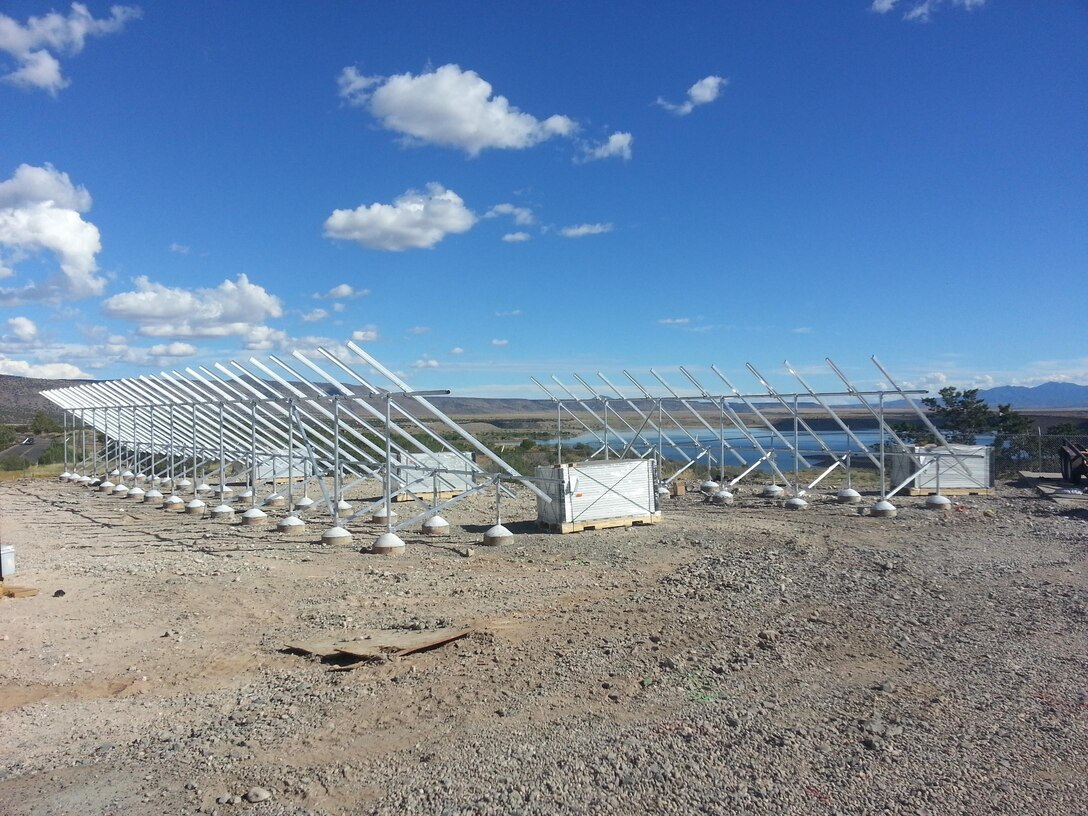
x: 223, y: 512
x: 336, y: 535
x: 497, y: 536
x: 937, y: 502
x: 436, y: 526
x: 388, y: 544
x: 291, y: 525
x: 883, y: 509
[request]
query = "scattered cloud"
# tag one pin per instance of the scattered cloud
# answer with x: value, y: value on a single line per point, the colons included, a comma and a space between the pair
x: 367, y: 334
x: 314, y: 315
x: 343, y: 291
x: 802, y: 330
x: 35, y: 45
x: 500, y: 343
x: 426, y: 362
x: 180, y: 249
x: 703, y: 92
x: 516, y: 237
x: 235, y: 307
x: 582, y: 230
x: 921, y: 11
x: 40, y: 210
x: 448, y: 107
x: 457, y: 350
x: 172, y: 350
x: 415, y: 220
x: 23, y: 329
x: 618, y: 146
x: 417, y: 330
x: 509, y: 313
x: 338, y: 307
x: 674, y: 321
x: 44, y: 371
x: 522, y: 216
x: 264, y: 338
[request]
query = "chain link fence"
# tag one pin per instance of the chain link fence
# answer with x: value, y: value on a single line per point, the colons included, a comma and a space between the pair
x: 1036, y: 452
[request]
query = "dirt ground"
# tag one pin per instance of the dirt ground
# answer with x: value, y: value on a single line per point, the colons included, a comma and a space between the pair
x: 740, y: 659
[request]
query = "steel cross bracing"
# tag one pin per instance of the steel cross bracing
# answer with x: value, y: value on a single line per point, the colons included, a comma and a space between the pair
x: 783, y: 425
x: 273, y: 420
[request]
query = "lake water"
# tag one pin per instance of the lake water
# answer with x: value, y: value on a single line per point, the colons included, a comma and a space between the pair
x: 699, y: 441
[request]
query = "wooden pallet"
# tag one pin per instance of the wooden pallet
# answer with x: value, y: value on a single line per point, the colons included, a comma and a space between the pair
x: 948, y: 491
x: 598, y: 524
x: 427, y: 495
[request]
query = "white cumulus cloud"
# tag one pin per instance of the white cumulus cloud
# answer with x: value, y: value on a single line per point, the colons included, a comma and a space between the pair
x: 522, y: 215
x: 674, y: 321
x: 23, y: 329
x: 457, y: 350
x: 415, y: 220
x: 448, y: 107
x: 179, y: 249
x: 618, y: 146
x: 172, y: 350
x: 34, y: 44
x: 500, y: 342
x: 704, y: 91
x: 43, y: 371
x: 343, y: 291
x: 40, y: 210
x: 366, y: 334
x: 314, y: 315
x: 581, y: 230
x: 516, y: 237
x: 235, y: 307
x: 427, y: 362
x: 921, y: 11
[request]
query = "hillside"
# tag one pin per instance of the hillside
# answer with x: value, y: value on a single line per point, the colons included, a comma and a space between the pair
x: 20, y: 399
x: 1047, y: 395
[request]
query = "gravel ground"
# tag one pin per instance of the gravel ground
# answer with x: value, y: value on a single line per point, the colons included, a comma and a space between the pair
x: 738, y: 659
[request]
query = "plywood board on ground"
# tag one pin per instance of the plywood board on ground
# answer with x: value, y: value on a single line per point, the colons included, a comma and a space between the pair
x: 378, y: 643
x: 443, y: 495
x: 949, y: 491
x: 1053, y: 487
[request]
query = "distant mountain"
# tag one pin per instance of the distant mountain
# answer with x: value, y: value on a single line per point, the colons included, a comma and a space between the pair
x: 20, y: 397
x: 1047, y: 395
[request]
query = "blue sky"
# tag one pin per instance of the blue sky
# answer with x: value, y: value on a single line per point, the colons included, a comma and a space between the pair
x: 484, y: 192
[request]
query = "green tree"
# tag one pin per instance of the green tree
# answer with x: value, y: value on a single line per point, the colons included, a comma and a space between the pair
x: 962, y: 415
x: 7, y: 437
x: 43, y: 423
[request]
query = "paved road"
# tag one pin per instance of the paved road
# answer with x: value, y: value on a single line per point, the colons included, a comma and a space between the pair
x: 31, y: 452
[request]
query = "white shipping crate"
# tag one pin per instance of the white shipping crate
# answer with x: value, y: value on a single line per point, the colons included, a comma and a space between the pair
x: 597, y: 491
x: 972, y: 472
x: 454, y: 472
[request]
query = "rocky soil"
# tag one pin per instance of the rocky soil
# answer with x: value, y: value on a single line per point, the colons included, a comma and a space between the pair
x: 737, y: 659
